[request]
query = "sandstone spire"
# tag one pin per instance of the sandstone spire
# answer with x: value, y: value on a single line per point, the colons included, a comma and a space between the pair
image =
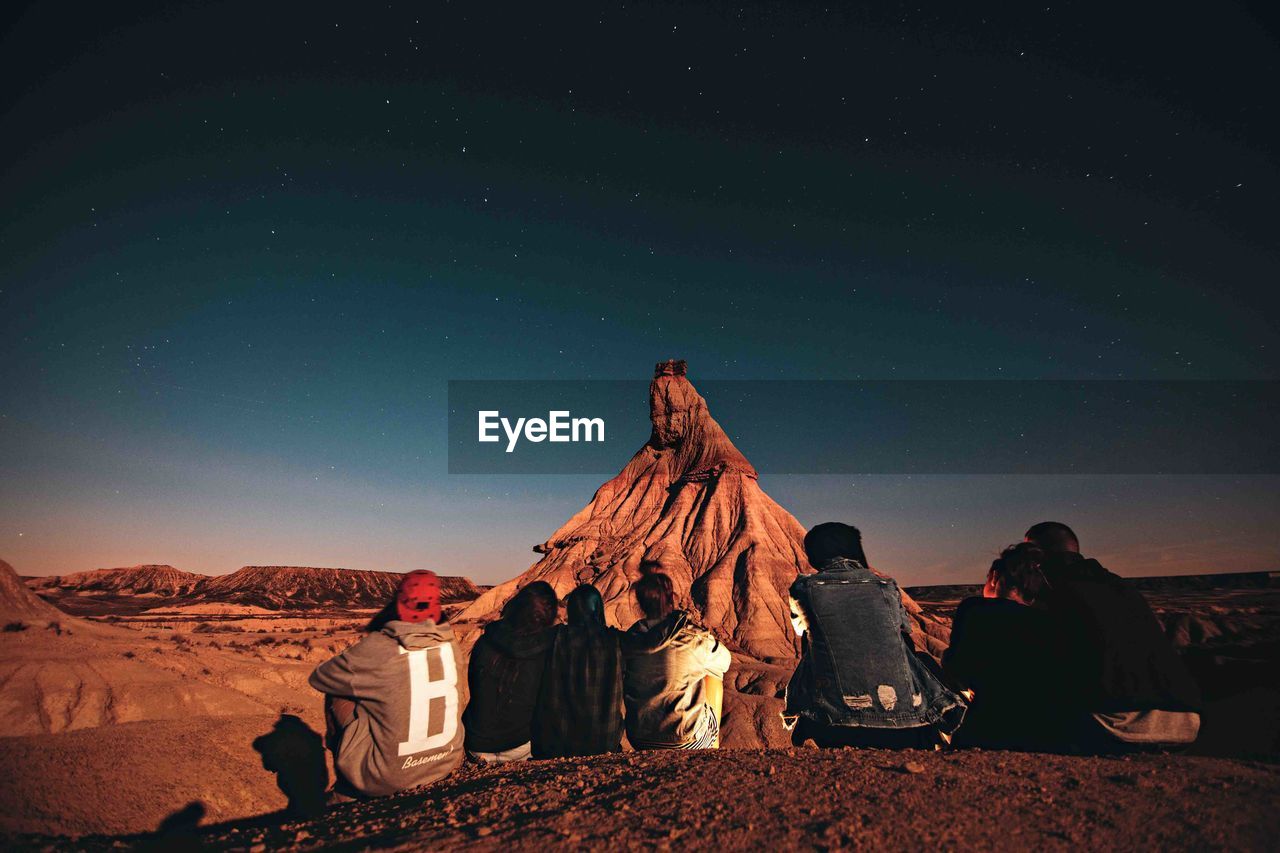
x: 688, y: 504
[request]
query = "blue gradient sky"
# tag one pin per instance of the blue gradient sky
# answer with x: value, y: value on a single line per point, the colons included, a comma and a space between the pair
x: 245, y: 250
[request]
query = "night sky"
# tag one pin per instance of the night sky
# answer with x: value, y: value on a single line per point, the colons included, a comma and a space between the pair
x: 245, y: 246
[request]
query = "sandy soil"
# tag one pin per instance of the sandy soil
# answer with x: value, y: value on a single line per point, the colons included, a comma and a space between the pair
x: 743, y: 799
x: 118, y: 778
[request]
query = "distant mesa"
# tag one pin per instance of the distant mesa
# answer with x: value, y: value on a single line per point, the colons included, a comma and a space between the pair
x: 283, y: 587
x: 688, y: 504
x: 269, y: 588
x: 133, y: 580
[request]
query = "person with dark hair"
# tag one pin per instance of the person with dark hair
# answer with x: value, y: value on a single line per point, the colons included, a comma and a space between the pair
x: 505, y: 675
x: 1005, y: 651
x: 391, y: 700
x: 1120, y: 663
x: 579, y: 709
x: 859, y: 681
x: 667, y: 659
x: 1053, y: 537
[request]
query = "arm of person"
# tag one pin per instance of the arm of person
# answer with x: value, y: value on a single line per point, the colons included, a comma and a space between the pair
x: 956, y: 659
x: 798, y: 620
x: 334, y: 677
x: 716, y: 658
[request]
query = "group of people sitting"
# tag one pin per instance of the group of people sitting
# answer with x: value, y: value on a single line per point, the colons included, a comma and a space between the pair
x: 538, y: 689
x: 1057, y: 655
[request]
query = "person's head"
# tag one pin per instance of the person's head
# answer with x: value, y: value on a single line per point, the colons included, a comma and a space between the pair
x: 831, y: 541
x: 584, y: 606
x: 1015, y: 574
x: 418, y: 597
x: 655, y: 595
x: 1053, y: 537
x: 532, y: 609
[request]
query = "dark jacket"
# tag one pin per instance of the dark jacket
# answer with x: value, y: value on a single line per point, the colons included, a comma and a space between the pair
x: 1010, y: 656
x: 504, y: 676
x: 1119, y: 658
x: 856, y: 668
x: 580, y: 705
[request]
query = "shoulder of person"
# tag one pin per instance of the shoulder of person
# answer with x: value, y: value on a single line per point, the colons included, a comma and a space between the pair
x: 969, y: 606
x: 371, y: 646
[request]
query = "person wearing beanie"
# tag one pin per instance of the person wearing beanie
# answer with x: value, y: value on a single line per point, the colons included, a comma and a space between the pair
x: 859, y: 682
x: 391, y: 700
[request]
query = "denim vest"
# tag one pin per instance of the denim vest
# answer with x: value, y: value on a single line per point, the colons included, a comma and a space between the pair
x: 856, y: 667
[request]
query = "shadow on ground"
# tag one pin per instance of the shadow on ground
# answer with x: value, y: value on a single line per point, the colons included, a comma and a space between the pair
x: 295, y: 753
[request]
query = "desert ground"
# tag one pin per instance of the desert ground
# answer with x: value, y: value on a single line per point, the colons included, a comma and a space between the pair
x: 799, y: 798
x: 167, y: 724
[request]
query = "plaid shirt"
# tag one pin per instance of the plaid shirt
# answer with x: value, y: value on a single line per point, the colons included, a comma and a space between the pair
x: 580, y: 702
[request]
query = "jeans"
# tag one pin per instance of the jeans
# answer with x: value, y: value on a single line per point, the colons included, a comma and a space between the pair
x: 516, y: 753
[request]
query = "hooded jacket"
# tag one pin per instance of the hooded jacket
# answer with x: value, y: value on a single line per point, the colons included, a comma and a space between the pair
x: 1119, y: 659
x: 504, y: 676
x: 664, y: 662
x: 580, y: 704
x: 406, y: 732
x: 1011, y: 656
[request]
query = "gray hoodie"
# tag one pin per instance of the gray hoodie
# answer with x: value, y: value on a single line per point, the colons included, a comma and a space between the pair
x: 406, y: 731
x: 664, y: 662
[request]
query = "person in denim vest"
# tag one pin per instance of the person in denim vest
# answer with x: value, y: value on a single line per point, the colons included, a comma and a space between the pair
x: 859, y: 682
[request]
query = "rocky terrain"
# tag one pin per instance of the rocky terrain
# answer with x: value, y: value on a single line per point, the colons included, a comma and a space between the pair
x: 791, y: 799
x: 118, y: 729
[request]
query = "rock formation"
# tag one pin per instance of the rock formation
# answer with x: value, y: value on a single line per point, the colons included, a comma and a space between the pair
x: 18, y: 604
x: 688, y: 504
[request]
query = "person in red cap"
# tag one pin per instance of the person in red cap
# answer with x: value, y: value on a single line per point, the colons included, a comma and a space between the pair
x: 391, y: 700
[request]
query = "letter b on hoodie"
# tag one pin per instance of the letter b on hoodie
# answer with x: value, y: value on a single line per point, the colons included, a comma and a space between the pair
x: 433, y: 698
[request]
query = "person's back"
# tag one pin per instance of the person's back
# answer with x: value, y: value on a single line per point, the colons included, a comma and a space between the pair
x: 858, y: 682
x: 1121, y: 662
x: 580, y: 703
x: 666, y: 658
x: 505, y: 674
x: 404, y: 730
x: 1007, y: 653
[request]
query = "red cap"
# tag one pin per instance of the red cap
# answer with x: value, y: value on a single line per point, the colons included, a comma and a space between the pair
x: 418, y: 598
